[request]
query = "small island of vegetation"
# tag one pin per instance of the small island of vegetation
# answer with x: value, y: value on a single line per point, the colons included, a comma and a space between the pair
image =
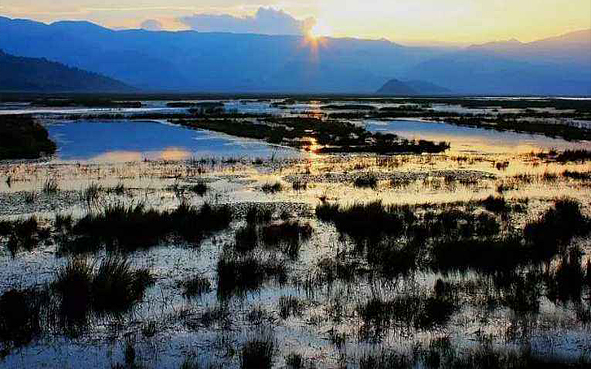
x: 21, y: 137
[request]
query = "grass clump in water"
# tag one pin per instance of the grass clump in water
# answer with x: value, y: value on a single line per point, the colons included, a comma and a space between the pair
x: 50, y: 186
x: 258, y: 352
x: 195, y: 286
x: 272, y: 188
x: 550, y: 233
x: 239, y: 274
x: 290, y: 306
x: 496, y: 204
x: 112, y: 287
x: 21, y: 317
x: 200, y: 188
x: 23, y: 234
x: 366, y: 222
x: 258, y: 215
x: 128, y: 228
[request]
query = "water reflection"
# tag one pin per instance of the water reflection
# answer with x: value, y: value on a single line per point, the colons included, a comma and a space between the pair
x: 123, y: 141
x: 468, y: 139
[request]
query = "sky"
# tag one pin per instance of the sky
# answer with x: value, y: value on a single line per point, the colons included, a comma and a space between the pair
x: 409, y: 21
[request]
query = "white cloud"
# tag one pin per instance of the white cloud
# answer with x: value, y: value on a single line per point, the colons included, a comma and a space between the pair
x: 266, y: 21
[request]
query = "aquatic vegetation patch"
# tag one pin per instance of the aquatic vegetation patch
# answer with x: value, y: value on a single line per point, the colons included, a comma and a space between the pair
x: 258, y: 352
x: 557, y: 226
x: 23, y: 138
x: 272, y: 188
x: 112, y: 286
x: 239, y: 274
x: 314, y: 134
x: 195, y: 286
x: 23, y: 234
x: 128, y: 228
x: 21, y: 317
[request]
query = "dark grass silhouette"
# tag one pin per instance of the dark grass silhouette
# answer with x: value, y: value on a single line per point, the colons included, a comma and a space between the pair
x: 368, y: 180
x: 85, y: 287
x: 258, y: 352
x: 556, y: 227
x: 240, y: 274
x: 129, y: 228
x: 23, y: 234
x: 272, y: 188
x: 195, y: 286
x: 21, y: 317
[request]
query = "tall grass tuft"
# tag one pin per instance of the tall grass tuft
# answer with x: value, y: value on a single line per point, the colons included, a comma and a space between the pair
x: 258, y: 352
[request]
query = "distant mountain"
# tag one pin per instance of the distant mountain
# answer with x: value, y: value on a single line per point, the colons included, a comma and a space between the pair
x: 40, y: 75
x: 189, y: 61
x: 427, y: 88
x: 395, y: 87
x: 572, y: 48
x: 554, y: 66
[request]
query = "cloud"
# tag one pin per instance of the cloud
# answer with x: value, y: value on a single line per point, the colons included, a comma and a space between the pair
x: 266, y: 21
x: 151, y: 25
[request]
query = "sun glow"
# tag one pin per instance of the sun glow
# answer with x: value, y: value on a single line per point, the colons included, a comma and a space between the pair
x: 320, y: 29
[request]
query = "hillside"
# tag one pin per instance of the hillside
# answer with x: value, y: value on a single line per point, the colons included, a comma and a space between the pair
x: 39, y: 75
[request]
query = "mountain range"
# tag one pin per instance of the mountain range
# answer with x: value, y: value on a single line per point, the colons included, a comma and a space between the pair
x: 190, y: 61
x: 41, y: 75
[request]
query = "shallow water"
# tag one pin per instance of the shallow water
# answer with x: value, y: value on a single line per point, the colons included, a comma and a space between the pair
x: 476, y: 140
x: 113, y: 152
x: 124, y: 141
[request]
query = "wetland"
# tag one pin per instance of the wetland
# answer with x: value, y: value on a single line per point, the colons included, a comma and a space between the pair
x: 295, y: 232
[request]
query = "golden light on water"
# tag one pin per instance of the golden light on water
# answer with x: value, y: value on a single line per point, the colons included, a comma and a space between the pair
x: 174, y: 153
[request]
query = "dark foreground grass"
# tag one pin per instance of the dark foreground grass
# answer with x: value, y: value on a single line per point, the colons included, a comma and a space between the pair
x: 258, y: 352
x: 133, y: 227
x: 419, y: 310
x: 366, y: 221
x: 20, y: 317
x: 240, y: 274
x: 195, y: 286
x: 22, y: 138
x: 441, y: 353
x: 111, y: 287
x: 555, y: 228
x: 286, y: 237
x: 399, y: 239
x: 23, y: 234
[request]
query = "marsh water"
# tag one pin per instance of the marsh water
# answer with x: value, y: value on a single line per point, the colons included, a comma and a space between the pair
x: 158, y: 164
x: 123, y: 141
x: 128, y: 140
